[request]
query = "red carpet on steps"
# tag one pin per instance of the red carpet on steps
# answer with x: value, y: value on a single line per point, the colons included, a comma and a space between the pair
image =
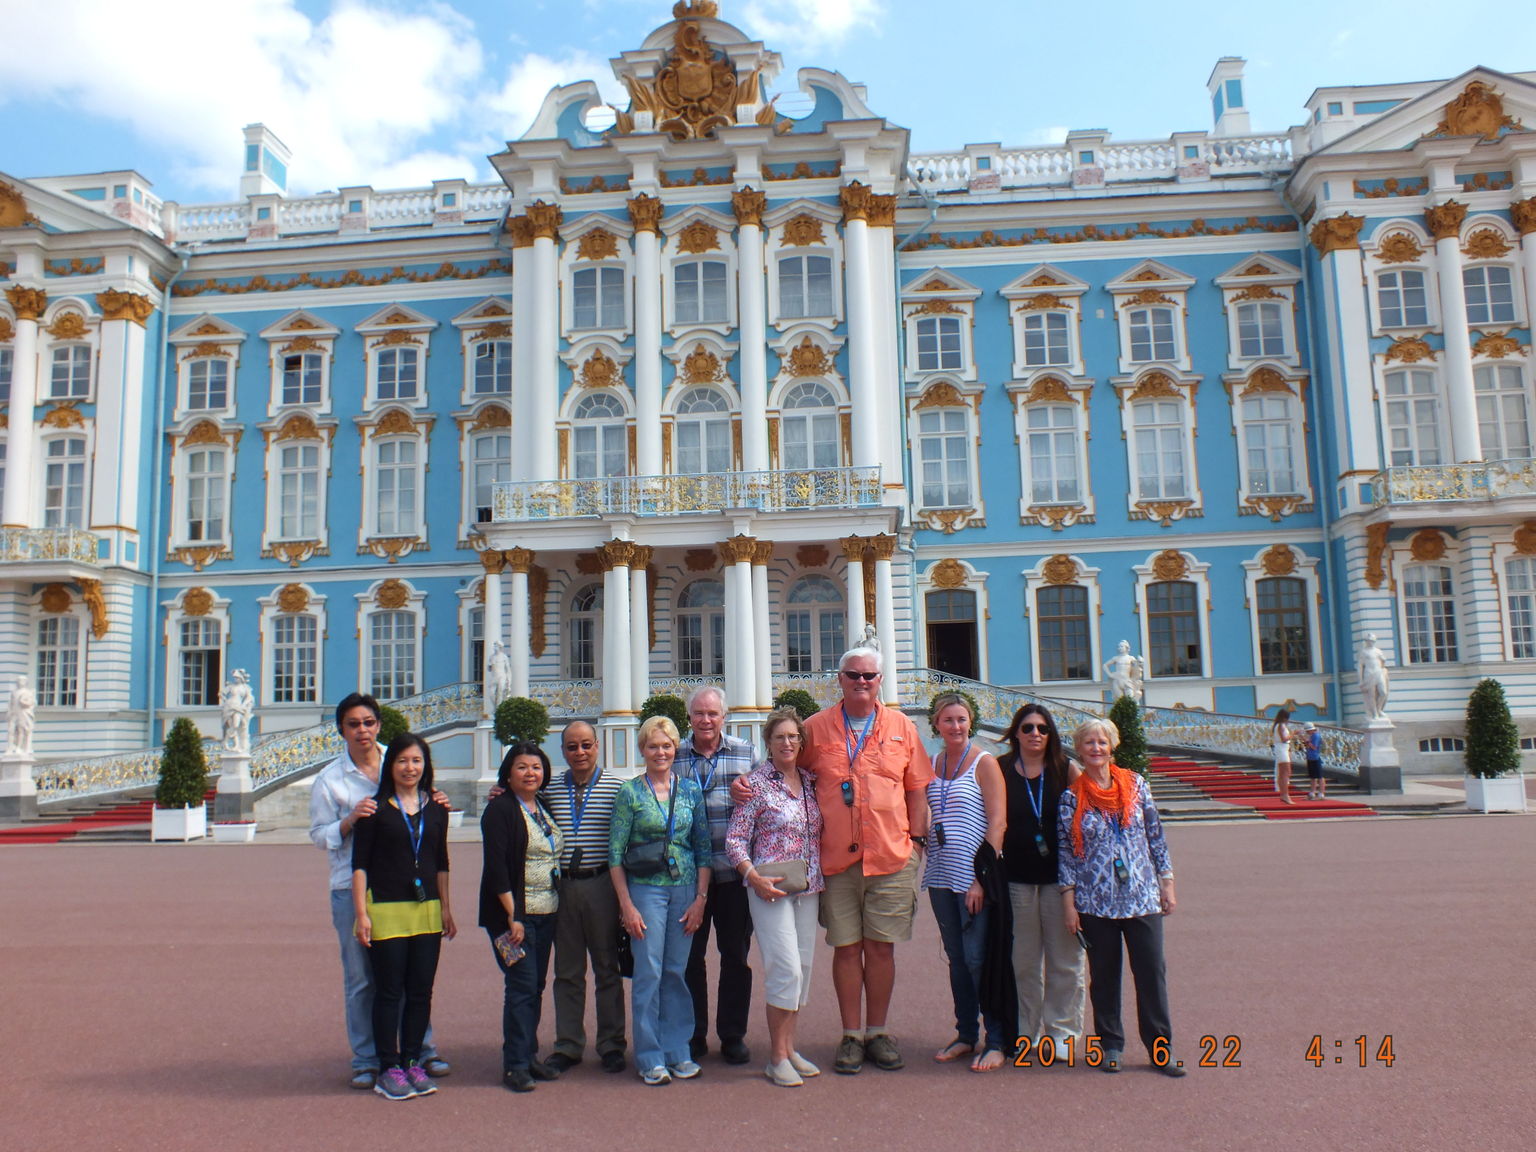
x: 1250, y: 790
x: 133, y: 814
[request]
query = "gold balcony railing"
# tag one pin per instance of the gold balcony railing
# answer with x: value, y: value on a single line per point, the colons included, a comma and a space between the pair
x: 1446, y: 483
x: 778, y: 491
x: 22, y: 544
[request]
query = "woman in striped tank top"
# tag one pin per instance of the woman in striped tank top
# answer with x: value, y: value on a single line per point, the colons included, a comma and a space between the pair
x: 967, y: 802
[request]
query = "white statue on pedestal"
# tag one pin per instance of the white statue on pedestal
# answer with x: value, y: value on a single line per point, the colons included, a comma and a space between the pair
x: 1125, y: 672
x: 498, y: 676
x: 1371, y: 667
x: 19, y: 718
x: 237, y: 704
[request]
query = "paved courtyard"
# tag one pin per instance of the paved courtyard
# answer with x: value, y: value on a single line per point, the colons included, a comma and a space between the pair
x: 188, y: 997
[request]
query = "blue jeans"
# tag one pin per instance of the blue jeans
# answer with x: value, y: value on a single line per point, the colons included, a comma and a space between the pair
x: 357, y: 987
x: 965, y: 944
x: 523, y: 994
x: 660, y: 1003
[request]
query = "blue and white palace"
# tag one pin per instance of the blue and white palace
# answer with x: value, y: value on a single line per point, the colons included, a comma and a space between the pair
x: 702, y: 390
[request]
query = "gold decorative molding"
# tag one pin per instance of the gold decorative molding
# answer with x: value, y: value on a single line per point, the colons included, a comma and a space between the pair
x: 56, y: 599
x: 1263, y: 380
x: 699, y: 236
x: 947, y: 573
x: 596, y: 184
x: 399, y: 317
x: 199, y: 556
x: 1275, y: 507
x: 587, y: 564
x: 1477, y: 111
x: 1399, y: 248
x: 701, y: 366
x: 298, y: 426
x: 739, y: 549
x: 1056, y: 516
x: 599, y: 370
x: 1145, y: 297
x: 395, y: 338
x: 1497, y: 345
x: 1093, y: 233
x: 1445, y: 220
x: 1165, y: 512
x: 519, y: 559
x: 803, y: 171
x: 29, y: 303
x: 940, y: 394
x: 1336, y: 233
x: 1044, y: 302
x: 1375, y: 553
x: 1258, y: 292
x: 615, y: 554
x: 1523, y: 213
x: 1278, y: 560
x: 392, y: 594
x: 392, y: 548
x: 545, y: 220
x: 803, y: 230
x: 645, y: 212
x: 694, y: 91
x: 293, y: 599
x: 1050, y: 390
x: 493, y: 560
x: 197, y: 601
x: 203, y: 432
x: 395, y: 422
x: 1147, y: 274
x: 1525, y: 538
x: 845, y: 426
x: 807, y: 359
x: 853, y: 548
x: 1392, y: 186
x: 7, y: 333
x: 64, y: 414
x: 68, y: 326
x: 883, y: 546
x: 812, y: 556
x: 493, y: 415
x: 1486, y: 182
x: 1059, y: 569
x: 701, y: 560
x: 856, y: 201
x: 748, y: 204
x: 1485, y: 244
x: 1427, y: 545
x: 207, y: 349
x: 520, y: 228
x: 1409, y: 349
x: 951, y: 520
x: 1156, y: 385
x: 762, y: 555
x: 598, y: 244
x: 698, y: 178
x: 293, y: 552
x: 936, y: 308
x: 1170, y: 564
x: 498, y: 331
x: 13, y: 207
x: 74, y: 266
x: 538, y: 592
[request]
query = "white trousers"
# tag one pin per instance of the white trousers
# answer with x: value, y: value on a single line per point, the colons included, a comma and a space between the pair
x: 786, y: 940
x: 1048, y: 964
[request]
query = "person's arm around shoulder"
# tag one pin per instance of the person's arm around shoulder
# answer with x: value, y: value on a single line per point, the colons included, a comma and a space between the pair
x: 330, y: 820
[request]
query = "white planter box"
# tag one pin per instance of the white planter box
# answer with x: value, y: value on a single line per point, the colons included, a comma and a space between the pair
x: 179, y: 823
x: 1496, y: 793
x: 234, y: 833
x: 456, y: 818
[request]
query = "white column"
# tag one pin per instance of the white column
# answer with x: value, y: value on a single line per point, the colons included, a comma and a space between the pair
x: 853, y: 552
x: 1460, y: 400
x: 615, y: 557
x: 1349, y: 354
x: 753, y: 322
x: 21, y: 433
x: 117, y: 463
x: 884, y: 548
x: 863, y: 353
x: 887, y: 316
x: 1524, y: 214
x: 639, y: 627
x: 524, y: 322
x: 645, y: 213
x: 544, y: 219
x: 762, y: 645
x: 518, y: 640
x: 740, y: 660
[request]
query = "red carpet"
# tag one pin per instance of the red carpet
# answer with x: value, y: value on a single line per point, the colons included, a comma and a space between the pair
x: 132, y: 814
x: 1245, y: 788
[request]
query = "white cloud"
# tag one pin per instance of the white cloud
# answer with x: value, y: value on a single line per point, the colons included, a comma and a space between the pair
x: 808, y: 24
x: 529, y: 80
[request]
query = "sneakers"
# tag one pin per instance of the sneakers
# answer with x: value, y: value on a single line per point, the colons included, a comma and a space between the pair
x: 393, y: 1085
x: 421, y: 1083
x: 783, y: 1074
x: 436, y: 1067
x: 881, y: 1050
x: 802, y: 1065
x: 364, y: 1079
x: 655, y: 1076
x: 850, y: 1056
x: 685, y: 1070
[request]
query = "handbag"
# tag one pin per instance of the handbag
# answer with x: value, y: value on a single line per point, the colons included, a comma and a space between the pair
x: 650, y: 858
x: 790, y: 877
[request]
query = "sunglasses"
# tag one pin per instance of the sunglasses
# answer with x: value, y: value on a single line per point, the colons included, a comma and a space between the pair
x: 866, y: 676
x: 1027, y: 729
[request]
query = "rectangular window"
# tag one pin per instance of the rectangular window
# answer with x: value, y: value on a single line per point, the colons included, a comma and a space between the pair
x: 1284, y: 642
x: 1173, y: 629
x: 476, y: 637
x: 1045, y: 339
x: 1160, y: 466
x: 1429, y: 607
x: 64, y: 484
x: 1520, y: 585
x: 295, y: 658
x: 1490, y: 294
x: 805, y: 286
x: 810, y: 441
x: 1260, y: 330
x: 71, y: 379
x: 397, y: 488
x: 1062, y: 615
x: 207, y: 488
x: 1152, y: 334
x: 7, y: 359
x: 493, y: 368
x: 398, y: 373
x: 301, y: 378
x: 703, y: 447
x: 1413, y: 419
x: 598, y: 450
x: 492, y: 466
x: 582, y: 662
x: 298, y: 485
x: 202, y: 651
x: 1052, y: 445
x: 597, y: 298
x: 1269, y: 444
x: 700, y: 292
x: 1503, y: 412
x: 207, y: 385
x: 392, y: 655
x: 58, y: 662
x: 1402, y: 299
x: 938, y: 344
x: 944, y: 454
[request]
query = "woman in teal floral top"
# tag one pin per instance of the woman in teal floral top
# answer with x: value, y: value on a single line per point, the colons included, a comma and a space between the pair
x: 661, y: 903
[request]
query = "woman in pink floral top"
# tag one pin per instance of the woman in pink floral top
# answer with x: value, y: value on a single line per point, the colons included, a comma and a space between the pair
x: 778, y: 830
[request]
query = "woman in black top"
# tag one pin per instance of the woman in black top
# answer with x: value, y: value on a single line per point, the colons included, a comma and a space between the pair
x: 401, y: 901
x: 1047, y: 959
x: 519, y: 888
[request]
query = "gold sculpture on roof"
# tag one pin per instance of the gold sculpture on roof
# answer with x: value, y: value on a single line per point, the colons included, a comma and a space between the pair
x: 696, y: 90
x: 1477, y: 111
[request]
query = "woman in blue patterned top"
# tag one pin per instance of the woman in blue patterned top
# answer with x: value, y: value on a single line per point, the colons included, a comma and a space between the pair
x: 1117, y: 884
x: 659, y: 854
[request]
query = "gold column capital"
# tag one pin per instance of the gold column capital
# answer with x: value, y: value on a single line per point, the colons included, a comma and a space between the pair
x: 519, y: 559
x: 645, y: 212
x: 493, y: 561
x: 117, y: 305
x: 1336, y: 233
x: 545, y: 220
x: 762, y: 555
x: 749, y: 205
x: 615, y: 554
x: 883, y: 545
x: 1444, y: 220
x: 855, y: 199
x: 640, y: 555
x: 853, y: 548
x: 29, y: 303
x: 882, y: 211
x: 521, y: 231
x: 738, y: 549
x: 1523, y: 213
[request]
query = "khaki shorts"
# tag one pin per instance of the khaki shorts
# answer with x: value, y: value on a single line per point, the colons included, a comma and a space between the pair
x: 856, y: 907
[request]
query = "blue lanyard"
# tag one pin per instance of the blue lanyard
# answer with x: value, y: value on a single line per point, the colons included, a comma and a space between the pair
x: 417, y: 830
x: 1036, y: 802
x: 855, y: 750
x: 577, y: 811
x: 945, y: 779
x: 671, y: 804
x: 538, y: 818
x: 693, y: 763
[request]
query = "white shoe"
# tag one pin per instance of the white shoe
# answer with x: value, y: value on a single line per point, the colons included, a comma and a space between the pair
x: 802, y: 1065
x: 783, y: 1074
x: 656, y: 1075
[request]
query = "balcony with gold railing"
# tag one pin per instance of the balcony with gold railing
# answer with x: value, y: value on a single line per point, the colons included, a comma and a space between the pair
x: 24, y: 545
x: 1477, y: 482
x: 815, y: 489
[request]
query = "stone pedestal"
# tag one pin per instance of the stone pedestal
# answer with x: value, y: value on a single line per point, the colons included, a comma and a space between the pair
x: 234, y: 801
x: 621, y: 750
x: 18, y: 793
x: 1380, y: 769
x: 487, y: 761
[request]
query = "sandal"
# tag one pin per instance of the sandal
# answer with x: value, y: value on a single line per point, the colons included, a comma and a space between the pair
x: 954, y: 1050
x: 988, y: 1060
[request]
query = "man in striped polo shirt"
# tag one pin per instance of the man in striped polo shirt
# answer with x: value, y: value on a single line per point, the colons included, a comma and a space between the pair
x: 587, y: 923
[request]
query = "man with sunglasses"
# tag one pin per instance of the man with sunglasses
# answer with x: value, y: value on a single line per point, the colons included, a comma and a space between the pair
x: 587, y: 921
x: 871, y: 776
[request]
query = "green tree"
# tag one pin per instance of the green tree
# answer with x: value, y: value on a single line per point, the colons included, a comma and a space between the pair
x: 967, y: 697
x: 800, y: 700
x: 392, y: 723
x: 183, y: 768
x: 1125, y: 714
x: 672, y: 707
x: 1493, y: 740
x: 519, y: 718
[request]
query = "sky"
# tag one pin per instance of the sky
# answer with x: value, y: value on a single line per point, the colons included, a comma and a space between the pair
x: 398, y: 93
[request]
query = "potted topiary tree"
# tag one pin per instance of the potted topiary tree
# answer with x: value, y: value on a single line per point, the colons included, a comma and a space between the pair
x: 1125, y: 714
x: 519, y: 718
x: 1494, y: 782
x: 800, y: 700
x: 392, y: 723
x: 672, y: 707
x: 181, y: 812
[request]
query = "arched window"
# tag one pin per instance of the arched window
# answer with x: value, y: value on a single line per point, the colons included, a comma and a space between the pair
x: 1284, y: 642
x: 583, y: 656
x: 701, y: 629
x: 810, y: 427
x: 598, y: 437
x: 814, y: 623
x: 703, y: 433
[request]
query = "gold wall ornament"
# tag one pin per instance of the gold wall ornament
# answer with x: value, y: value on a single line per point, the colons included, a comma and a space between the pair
x: 1046, y: 280
x: 587, y: 564
x: 1155, y: 385
x: 882, y: 211
x: 1485, y: 244
x: 596, y: 184
x: 500, y: 331
x: 1263, y: 380
x: 803, y: 171
x: 1375, y: 553
x: 197, y: 601
x: 395, y: 338
x: 1336, y: 233
x: 845, y: 426
x: 812, y: 556
x: 1392, y: 186
x: 1056, y: 516
x: 598, y: 244
x: 645, y: 212
x: 1409, y: 349
x: 391, y: 548
x: 941, y: 394
x: 395, y: 422
x: 1258, y: 292
x: 947, y: 573
x: 1523, y: 213
x: 1278, y: 560
x: 599, y: 370
x: 736, y: 441
x: 64, y: 414
x: 1275, y: 507
x: 199, y: 556
x: 807, y: 359
x: 538, y: 593
x: 90, y: 592
x: 293, y: 599
x: 1147, y: 274
x: 1049, y: 390
x: 1044, y: 302
x: 301, y: 323
x: 294, y: 552
x: 699, y: 236
x: 208, y: 349
x: 695, y: 9
x: 1165, y: 512
x: 1144, y: 297
x: 1477, y: 111
x: 700, y: 559
x: 1445, y: 220
x: 74, y: 266
x: 55, y: 599
x: 1486, y: 182
x: 701, y: 366
x: 1170, y: 564
x: 951, y: 520
x: 203, y: 432
x: 493, y: 560
x: 299, y: 426
x: 1398, y: 248
x: 519, y: 559
x: 1059, y: 569
x: 749, y: 204
x: 803, y: 230
x: 520, y: 228
x: 1427, y: 545
x: 302, y: 344
x: 695, y: 91
x: 29, y: 303
x: 936, y: 308
x: 545, y: 220
x: 399, y: 317
x: 1525, y: 538
x: 1497, y: 345
x: 209, y: 328
x: 68, y: 326
x: 698, y: 178
x: 493, y: 415
x: 392, y: 594
x: 762, y: 555
x: 13, y: 207
x: 853, y: 548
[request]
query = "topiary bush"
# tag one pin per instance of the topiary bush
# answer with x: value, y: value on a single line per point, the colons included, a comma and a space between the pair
x: 1125, y: 714
x: 183, y: 768
x: 800, y: 700
x: 1493, y: 740
x: 967, y: 697
x: 392, y: 723
x: 519, y: 718
x: 672, y: 707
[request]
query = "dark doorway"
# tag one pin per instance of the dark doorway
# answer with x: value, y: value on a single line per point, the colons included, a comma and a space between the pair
x: 952, y: 645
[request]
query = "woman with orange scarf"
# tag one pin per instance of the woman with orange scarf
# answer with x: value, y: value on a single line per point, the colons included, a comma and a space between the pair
x: 1117, y: 884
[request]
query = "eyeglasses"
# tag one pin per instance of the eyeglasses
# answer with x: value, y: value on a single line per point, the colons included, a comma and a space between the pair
x: 789, y: 737
x: 1027, y: 729
x: 584, y: 746
x: 866, y: 676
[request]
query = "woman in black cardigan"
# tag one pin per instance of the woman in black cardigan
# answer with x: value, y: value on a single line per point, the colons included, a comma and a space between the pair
x: 519, y: 892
